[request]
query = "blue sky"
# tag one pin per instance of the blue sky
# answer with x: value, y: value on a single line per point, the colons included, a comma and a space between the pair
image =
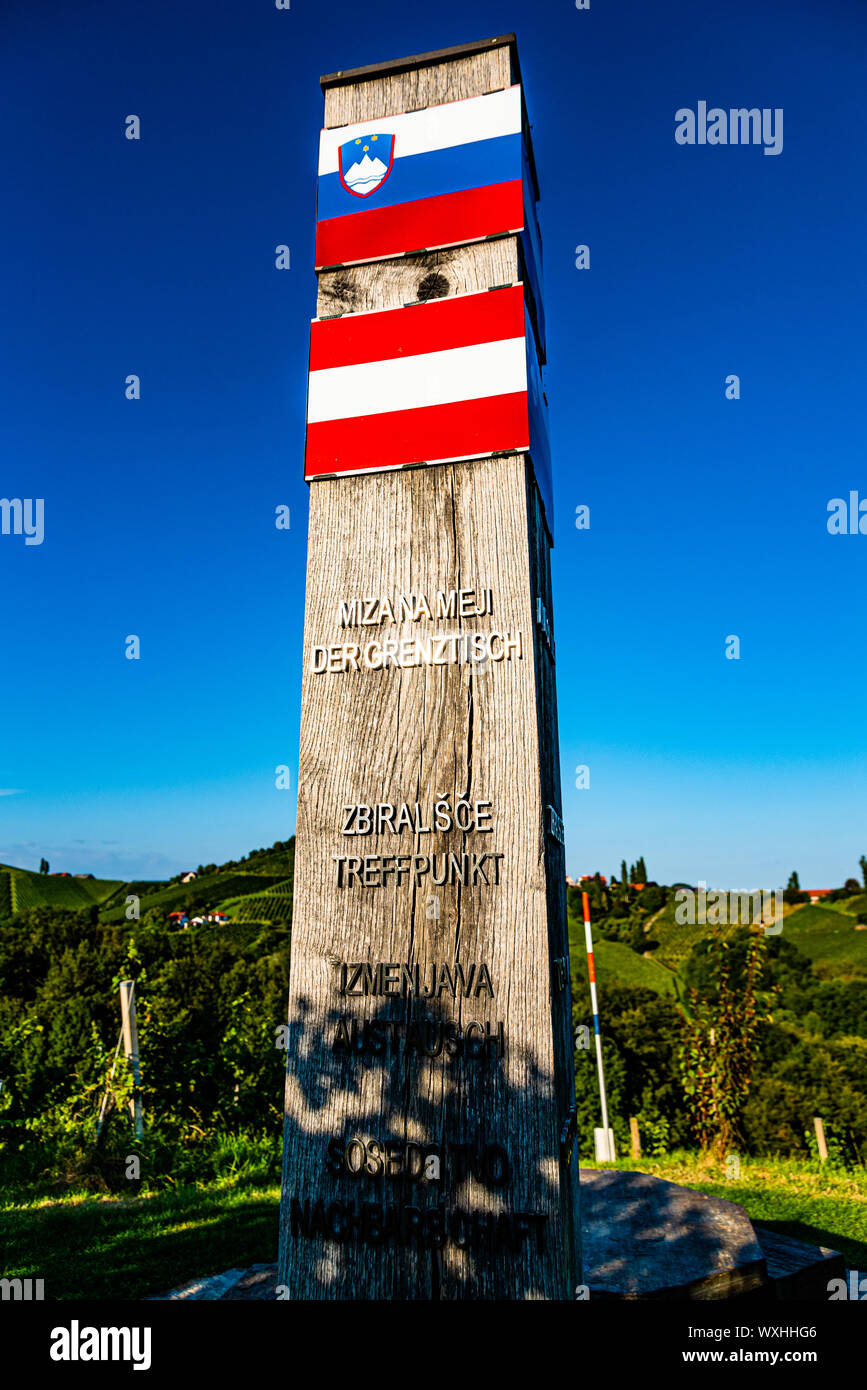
x: 708, y: 516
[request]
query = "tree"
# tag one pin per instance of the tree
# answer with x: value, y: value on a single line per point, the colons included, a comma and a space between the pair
x: 652, y: 897
x: 721, y: 1043
x: 624, y: 876
x: 640, y: 1039
x: 793, y: 894
x: 784, y: 968
x: 852, y: 885
x: 863, y: 862
x: 637, y: 939
x: 43, y: 866
x: 641, y: 870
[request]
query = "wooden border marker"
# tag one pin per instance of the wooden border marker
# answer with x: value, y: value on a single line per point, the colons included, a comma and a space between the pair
x: 430, y: 1103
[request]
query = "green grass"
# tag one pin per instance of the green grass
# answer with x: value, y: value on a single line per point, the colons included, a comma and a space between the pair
x: 263, y: 874
x: 131, y: 1247
x: 619, y: 964
x: 675, y: 939
x: 809, y: 1201
x: 274, y: 905
x: 270, y: 870
x: 855, y: 907
x: 44, y: 890
x: 277, y: 863
x: 211, y: 889
x: 261, y: 908
x: 824, y: 933
x: 827, y: 937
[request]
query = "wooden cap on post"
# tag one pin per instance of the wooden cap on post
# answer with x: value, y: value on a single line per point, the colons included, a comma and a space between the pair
x: 421, y: 60
x: 417, y: 81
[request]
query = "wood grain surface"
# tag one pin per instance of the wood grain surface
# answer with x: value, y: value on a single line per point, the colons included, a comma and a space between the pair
x: 478, y: 731
x: 393, y: 93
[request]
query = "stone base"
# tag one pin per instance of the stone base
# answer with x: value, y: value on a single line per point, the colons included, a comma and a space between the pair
x: 645, y: 1237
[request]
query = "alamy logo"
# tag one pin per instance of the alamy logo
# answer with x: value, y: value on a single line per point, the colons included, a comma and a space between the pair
x: 847, y: 518
x: 76, y: 1343
x: 23, y: 516
x: 737, y: 126
x: 760, y: 908
x: 25, y: 1290
x: 857, y: 1290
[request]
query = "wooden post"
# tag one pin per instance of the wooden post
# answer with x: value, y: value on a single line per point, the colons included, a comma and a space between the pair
x: 819, y: 1127
x: 130, y: 1047
x: 603, y: 1137
x: 635, y: 1137
x: 429, y: 1141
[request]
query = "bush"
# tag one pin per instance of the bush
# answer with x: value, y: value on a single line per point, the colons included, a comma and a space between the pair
x: 207, y: 1001
x: 652, y: 898
x: 640, y: 1032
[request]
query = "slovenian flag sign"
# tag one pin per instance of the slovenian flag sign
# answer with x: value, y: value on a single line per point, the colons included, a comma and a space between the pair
x: 449, y: 379
x: 449, y: 174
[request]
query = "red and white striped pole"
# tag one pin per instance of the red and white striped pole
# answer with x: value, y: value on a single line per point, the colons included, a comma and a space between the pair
x: 591, y: 970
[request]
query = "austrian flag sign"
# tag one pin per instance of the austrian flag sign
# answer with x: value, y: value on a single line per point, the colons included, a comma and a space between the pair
x: 443, y: 176
x: 448, y: 379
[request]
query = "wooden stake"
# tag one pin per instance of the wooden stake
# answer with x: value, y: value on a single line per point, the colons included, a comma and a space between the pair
x: 130, y: 1047
x: 591, y: 971
x: 635, y: 1137
x: 820, y: 1138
